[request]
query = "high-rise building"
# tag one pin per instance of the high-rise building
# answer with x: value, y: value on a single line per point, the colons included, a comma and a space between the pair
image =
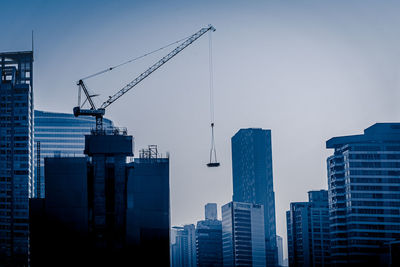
x: 184, y: 246
x: 210, y: 211
x: 243, y: 237
x: 192, y: 253
x: 59, y: 134
x: 364, y: 194
x: 319, y: 221
x: 279, y: 245
x: 253, y: 181
x: 308, y: 231
x: 179, y: 247
x: 16, y: 155
x: 100, y: 210
x: 209, y: 239
x: 174, y: 253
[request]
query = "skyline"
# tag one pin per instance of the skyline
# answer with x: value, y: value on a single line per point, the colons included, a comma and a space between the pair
x: 347, y: 53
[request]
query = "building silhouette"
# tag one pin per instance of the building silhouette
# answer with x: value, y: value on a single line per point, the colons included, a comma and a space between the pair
x: 101, y: 211
x: 16, y: 155
x: 243, y: 237
x: 253, y: 180
x: 58, y: 134
x: 209, y: 239
x: 148, y: 208
x: 308, y: 231
x: 364, y: 192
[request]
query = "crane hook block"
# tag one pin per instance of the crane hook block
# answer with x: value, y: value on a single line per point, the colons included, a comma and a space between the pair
x: 213, y: 152
x: 213, y: 164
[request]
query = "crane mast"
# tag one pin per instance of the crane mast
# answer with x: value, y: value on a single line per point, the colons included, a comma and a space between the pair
x: 98, y: 113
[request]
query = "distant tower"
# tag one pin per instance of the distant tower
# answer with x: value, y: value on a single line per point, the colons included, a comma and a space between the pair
x: 179, y: 250
x: 253, y: 181
x: 184, y: 247
x: 279, y: 244
x: 191, y: 244
x: 209, y: 239
x: 308, y: 231
x: 211, y: 211
x: 243, y: 235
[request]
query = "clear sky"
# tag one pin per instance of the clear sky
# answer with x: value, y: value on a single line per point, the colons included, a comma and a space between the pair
x: 307, y: 70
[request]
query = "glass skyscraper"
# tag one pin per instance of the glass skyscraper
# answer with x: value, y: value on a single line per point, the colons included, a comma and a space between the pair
x: 243, y: 238
x: 16, y: 155
x: 308, y: 231
x: 364, y: 194
x: 59, y: 134
x: 253, y: 180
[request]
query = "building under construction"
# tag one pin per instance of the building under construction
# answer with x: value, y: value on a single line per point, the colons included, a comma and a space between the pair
x: 102, y: 211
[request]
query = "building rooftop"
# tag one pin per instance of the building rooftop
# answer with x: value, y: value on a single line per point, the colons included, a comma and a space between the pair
x: 11, y: 57
x: 251, y: 129
x: 386, y: 132
x: 16, y: 53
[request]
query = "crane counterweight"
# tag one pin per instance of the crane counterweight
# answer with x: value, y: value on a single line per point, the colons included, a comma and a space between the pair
x: 88, y: 112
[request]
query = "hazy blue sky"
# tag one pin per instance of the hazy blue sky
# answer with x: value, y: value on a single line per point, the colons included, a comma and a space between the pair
x: 307, y: 70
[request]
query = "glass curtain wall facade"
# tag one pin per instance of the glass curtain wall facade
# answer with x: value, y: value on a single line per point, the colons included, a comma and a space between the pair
x: 59, y: 134
x: 308, y: 231
x: 298, y: 234
x: 364, y: 194
x: 320, y: 238
x: 243, y: 237
x: 16, y: 155
x: 253, y: 179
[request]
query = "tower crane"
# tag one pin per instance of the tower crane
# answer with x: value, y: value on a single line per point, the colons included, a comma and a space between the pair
x: 98, y: 113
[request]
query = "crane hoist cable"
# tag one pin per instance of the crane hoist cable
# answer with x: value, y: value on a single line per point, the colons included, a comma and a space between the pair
x: 213, y: 152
